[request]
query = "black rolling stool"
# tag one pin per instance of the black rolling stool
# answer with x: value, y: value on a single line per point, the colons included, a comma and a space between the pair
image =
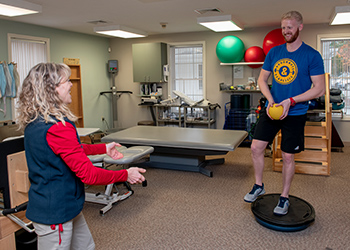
x: 300, y: 214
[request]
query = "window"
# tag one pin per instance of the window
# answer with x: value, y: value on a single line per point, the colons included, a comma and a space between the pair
x: 335, y: 50
x: 27, y: 51
x: 187, y: 70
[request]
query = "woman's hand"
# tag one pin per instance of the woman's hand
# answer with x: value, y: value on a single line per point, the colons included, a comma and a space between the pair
x: 135, y: 176
x: 112, y: 151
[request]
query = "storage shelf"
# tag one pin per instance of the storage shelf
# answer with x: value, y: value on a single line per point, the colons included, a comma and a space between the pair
x: 171, y: 111
x: 212, y: 121
x: 150, y: 96
x: 76, y: 106
x: 184, y: 112
x: 210, y: 116
x: 241, y: 64
x: 170, y: 120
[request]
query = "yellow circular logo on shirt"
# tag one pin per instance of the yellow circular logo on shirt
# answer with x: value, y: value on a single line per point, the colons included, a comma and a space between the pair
x: 285, y: 71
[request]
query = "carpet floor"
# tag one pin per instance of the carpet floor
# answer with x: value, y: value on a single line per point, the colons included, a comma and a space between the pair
x: 186, y: 210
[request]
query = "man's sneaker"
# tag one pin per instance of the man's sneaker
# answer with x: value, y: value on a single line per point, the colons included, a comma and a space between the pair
x: 256, y: 191
x: 282, y: 207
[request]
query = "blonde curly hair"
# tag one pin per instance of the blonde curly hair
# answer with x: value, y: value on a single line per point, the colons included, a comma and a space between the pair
x: 38, y: 96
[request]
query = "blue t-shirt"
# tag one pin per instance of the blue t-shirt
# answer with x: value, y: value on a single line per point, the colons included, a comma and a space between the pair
x: 291, y: 73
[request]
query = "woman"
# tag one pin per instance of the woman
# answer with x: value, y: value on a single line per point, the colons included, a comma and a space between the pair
x: 57, y: 161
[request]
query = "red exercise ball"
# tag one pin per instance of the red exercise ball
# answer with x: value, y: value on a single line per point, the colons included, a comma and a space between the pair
x: 254, y: 54
x: 272, y: 39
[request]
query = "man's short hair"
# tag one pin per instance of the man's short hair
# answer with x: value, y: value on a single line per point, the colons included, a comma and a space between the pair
x: 293, y: 15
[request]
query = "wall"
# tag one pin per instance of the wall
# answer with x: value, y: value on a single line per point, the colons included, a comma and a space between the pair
x: 93, y: 54
x: 215, y: 74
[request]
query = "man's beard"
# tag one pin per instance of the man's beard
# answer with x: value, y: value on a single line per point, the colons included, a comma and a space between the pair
x: 293, y: 38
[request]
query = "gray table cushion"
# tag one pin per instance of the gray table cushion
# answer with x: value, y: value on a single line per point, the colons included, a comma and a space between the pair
x: 130, y: 155
x: 177, y: 137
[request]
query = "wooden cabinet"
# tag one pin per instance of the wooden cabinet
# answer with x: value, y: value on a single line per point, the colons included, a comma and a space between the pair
x: 148, y: 61
x: 76, y: 92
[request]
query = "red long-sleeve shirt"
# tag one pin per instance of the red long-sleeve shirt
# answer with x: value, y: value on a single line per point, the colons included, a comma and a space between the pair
x: 62, y: 139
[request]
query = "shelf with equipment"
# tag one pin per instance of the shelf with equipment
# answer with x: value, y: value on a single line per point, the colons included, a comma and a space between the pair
x: 150, y: 92
x: 251, y: 88
x: 239, y: 75
x: 186, y: 116
x: 170, y: 114
x: 199, y: 115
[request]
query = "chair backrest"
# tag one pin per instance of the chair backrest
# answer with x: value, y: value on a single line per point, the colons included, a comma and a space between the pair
x: 18, y: 178
x: 7, y: 148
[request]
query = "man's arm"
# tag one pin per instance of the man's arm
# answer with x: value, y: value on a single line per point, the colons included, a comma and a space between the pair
x: 263, y: 85
x: 265, y: 90
x: 318, y: 89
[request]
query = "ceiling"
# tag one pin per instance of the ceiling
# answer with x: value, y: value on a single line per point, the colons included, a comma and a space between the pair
x: 179, y: 15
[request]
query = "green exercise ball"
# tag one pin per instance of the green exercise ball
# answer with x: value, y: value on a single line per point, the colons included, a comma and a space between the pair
x: 230, y: 49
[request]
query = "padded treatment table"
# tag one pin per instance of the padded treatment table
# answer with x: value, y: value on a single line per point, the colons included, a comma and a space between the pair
x: 180, y: 148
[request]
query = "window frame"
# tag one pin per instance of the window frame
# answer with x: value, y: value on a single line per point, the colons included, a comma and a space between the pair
x: 335, y: 36
x: 12, y: 36
x: 187, y: 44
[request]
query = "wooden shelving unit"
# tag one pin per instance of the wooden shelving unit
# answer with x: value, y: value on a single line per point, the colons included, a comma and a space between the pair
x: 316, y: 158
x: 76, y: 92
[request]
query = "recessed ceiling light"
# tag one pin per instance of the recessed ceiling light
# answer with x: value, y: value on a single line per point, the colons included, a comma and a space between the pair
x: 13, y: 8
x: 341, y: 15
x: 218, y: 23
x: 120, y: 31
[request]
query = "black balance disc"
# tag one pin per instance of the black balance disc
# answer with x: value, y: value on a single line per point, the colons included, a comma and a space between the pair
x: 300, y: 213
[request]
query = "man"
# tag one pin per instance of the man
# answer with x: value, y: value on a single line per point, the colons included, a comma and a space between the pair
x: 298, y: 76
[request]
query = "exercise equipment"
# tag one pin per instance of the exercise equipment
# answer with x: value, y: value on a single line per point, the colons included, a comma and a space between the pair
x: 276, y: 111
x: 9, y: 213
x: 300, y: 214
x: 254, y: 54
x: 108, y: 198
x: 230, y: 49
x: 180, y: 148
x: 7, y: 148
x: 113, y: 68
x: 15, y: 195
x: 272, y: 39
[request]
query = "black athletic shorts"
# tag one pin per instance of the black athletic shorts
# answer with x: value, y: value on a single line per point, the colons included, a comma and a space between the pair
x: 292, y: 129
